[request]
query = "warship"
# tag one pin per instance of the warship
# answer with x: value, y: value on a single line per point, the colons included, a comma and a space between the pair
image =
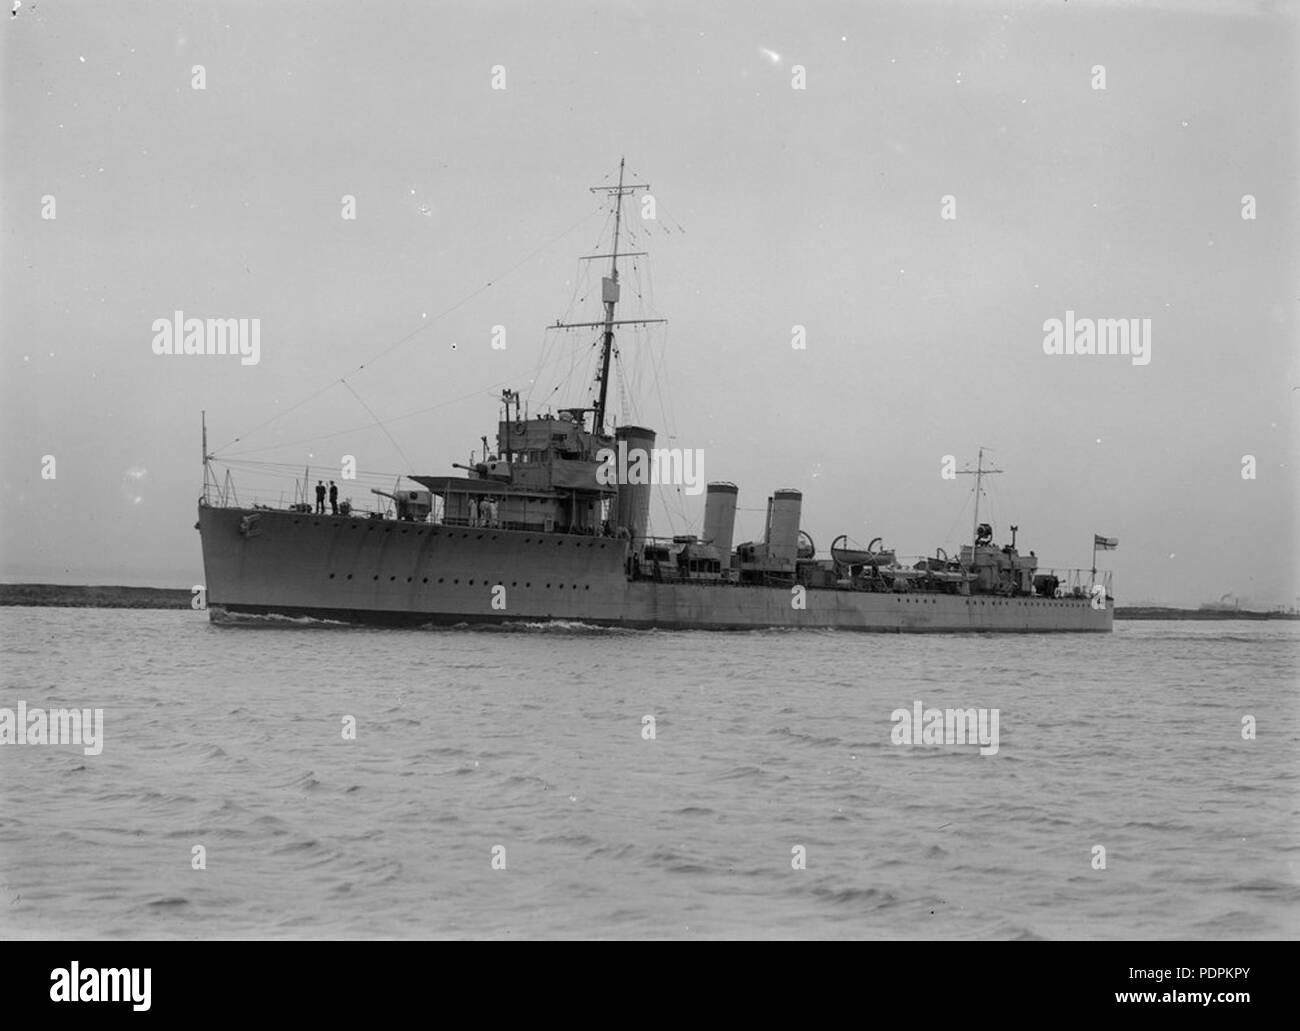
x: 537, y: 530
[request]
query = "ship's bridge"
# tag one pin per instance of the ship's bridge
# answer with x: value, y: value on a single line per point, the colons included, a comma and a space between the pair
x: 542, y: 478
x: 550, y: 453
x: 564, y: 436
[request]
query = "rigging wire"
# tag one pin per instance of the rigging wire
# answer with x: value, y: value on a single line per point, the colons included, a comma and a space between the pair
x: 662, y: 218
x: 961, y: 514
x: 426, y: 324
x: 377, y: 422
x: 397, y: 418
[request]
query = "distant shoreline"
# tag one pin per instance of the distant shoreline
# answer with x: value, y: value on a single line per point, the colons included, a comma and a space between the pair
x: 1160, y: 612
x: 1156, y: 611
x: 92, y: 597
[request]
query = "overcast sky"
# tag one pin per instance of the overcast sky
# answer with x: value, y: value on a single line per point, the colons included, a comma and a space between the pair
x: 776, y: 207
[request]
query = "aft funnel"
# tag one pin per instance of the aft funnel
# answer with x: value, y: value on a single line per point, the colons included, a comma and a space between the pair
x: 783, y: 525
x: 720, y: 516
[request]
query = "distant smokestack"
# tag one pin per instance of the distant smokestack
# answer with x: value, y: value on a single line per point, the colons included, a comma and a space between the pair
x: 634, y: 498
x: 784, y: 510
x: 720, y: 516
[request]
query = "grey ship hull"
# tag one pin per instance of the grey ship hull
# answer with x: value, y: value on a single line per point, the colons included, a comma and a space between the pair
x: 389, y: 573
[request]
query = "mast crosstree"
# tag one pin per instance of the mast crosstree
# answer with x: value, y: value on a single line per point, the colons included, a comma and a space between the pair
x: 979, y: 472
x: 609, y: 294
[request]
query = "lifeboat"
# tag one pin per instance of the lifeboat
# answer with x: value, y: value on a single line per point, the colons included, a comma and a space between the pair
x: 851, y: 557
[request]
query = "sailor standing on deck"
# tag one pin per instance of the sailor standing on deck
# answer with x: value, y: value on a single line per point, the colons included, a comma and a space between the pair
x: 320, y: 497
x: 473, y: 511
x: 334, y: 498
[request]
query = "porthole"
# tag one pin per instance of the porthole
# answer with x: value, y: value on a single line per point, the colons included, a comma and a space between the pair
x: 349, y: 576
x: 331, y: 576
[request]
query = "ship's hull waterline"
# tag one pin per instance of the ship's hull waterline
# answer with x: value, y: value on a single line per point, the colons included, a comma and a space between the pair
x: 392, y: 573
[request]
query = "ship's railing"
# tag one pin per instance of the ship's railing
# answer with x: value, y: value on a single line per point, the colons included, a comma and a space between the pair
x: 1071, y: 582
x: 277, y: 487
x: 254, y: 501
x: 1080, y: 579
x: 912, y: 561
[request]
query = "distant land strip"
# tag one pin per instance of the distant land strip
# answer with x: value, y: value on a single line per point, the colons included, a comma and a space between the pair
x: 88, y: 597
x: 1160, y: 612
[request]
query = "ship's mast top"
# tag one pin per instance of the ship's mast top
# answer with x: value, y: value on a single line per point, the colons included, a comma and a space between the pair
x: 618, y: 222
x: 610, y: 292
x: 979, y: 472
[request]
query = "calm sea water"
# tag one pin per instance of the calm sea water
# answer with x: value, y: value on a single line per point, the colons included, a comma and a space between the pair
x: 532, y: 740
